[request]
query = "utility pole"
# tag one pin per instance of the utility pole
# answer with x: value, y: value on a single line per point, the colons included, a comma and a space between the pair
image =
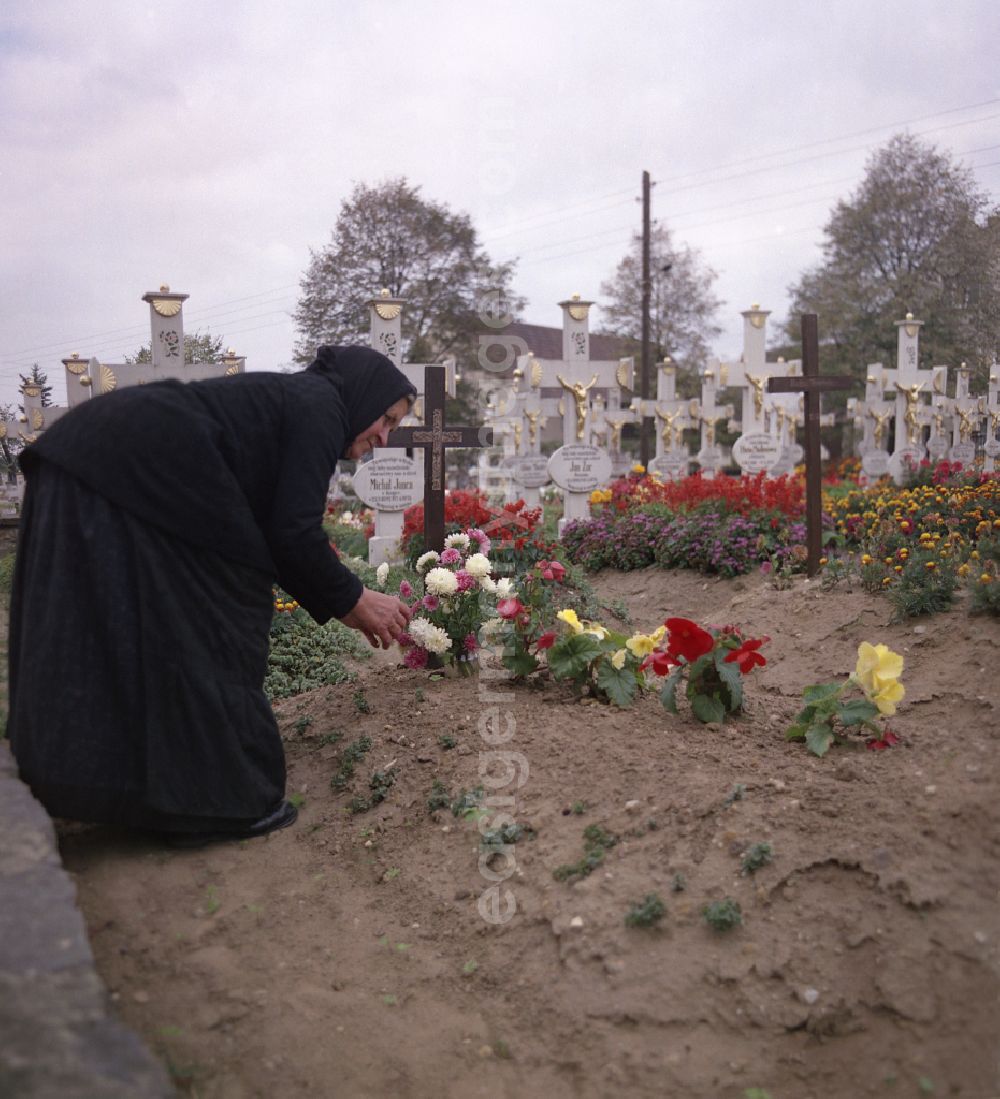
x: 646, y: 424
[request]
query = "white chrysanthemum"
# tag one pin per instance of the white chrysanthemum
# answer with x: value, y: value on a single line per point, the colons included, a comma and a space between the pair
x: 491, y: 629
x: 457, y: 541
x: 478, y: 565
x: 425, y: 560
x: 428, y: 636
x: 505, y: 587
x: 441, y: 582
x: 488, y: 584
x: 382, y: 574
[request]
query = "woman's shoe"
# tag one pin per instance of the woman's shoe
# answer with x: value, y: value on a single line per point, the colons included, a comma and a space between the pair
x: 281, y: 817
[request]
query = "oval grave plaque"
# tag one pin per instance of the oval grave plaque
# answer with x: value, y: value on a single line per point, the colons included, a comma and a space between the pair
x: 579, y: 468
x: 389, y: 484
x: 531, y: 471
x: 964, y: 453
x: 756, y: 452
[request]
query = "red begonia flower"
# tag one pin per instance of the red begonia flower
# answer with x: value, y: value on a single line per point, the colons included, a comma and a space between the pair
x: 747, y: 656
x: 688, y: 639
x: 547, y: 640
x: 661, y: 662
x: 509, y: 608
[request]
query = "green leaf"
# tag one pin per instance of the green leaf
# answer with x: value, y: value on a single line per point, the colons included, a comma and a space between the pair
x: 819, y: 692
x: 797, y: 731
x: 618, y: 684
x: 856, y: 712
x: 818, y: 739
x: 731, y: 677
x: 708, y: 708
x: 668, y: 693
x: 570, y: 657
x: 520, y: 663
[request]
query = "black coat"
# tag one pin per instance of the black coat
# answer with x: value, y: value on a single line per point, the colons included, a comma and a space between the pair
x: 155, y: 520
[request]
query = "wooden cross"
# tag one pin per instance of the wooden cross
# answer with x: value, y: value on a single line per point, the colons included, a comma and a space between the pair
x: 434, y: 438
x: 812, y: 384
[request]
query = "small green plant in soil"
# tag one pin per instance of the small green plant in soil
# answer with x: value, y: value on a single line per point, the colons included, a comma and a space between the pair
x: 578, y: 808
x: 925, y: 586
x: 379, y: 784
x: 647, y: 912
x: 495, y: 839
x: 678, y: 884
x: 596, y: 843
x: 468, y: 803
x: 447, y: 741
x: 756, y: 856
x: 353, y: 753
x: 723, y: 915
x: 361, y: 703
x: 439, y: 798
x: 298, y: 800
x: 303, y: 723
x: 736, y: 794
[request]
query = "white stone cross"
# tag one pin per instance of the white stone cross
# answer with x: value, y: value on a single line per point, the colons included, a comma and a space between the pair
x: 990, y: 406
x: 966, y: 418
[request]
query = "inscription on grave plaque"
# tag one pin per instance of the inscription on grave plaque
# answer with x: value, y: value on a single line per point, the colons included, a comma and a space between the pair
x: 580, y: 468
x: 964, y: 453
x: 389, y: 484
x: 531, y: 471
x: 756, y: 452
x: 876, y: 463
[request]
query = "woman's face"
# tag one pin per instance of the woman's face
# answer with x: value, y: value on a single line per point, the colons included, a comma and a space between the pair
x: 377, y: 434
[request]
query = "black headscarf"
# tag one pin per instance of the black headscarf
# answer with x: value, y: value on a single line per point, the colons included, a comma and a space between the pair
x: 368, y: 382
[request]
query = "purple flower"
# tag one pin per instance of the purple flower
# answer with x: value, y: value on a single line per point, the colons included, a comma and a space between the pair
x: 430, y: 602
x: 405, y: 589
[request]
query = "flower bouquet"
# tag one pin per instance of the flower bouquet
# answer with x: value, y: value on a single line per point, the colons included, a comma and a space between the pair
x: 827, y: 717
x: 458, y: 596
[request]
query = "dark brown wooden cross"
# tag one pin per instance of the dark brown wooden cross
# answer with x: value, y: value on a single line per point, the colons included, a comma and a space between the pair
x: 812, y: 383
x: 434, y: 437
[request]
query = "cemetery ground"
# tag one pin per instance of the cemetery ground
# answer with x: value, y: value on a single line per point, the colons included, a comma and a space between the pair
x: 347, y: 956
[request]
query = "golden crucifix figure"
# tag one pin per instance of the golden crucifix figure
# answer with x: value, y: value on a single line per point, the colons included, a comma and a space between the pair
x: 758, y: 391
x: 880, y: 422
x: 709, y: 430
x: 532, y: 418
x: 912, y: 395
x: 938, y: 421
x: 616, y: 433
x: 965, y: 427
x: 667, y: 419
x: 579, y: 391
x: 518, y: 428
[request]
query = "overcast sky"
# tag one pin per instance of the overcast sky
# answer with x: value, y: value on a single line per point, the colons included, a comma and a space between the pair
x: 210, y: 146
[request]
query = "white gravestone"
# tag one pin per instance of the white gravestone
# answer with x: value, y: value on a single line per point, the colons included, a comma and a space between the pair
x: 991, y: 409
x: 388, y: 484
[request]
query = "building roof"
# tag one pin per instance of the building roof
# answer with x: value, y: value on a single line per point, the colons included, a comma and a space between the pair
x: 546, y: 343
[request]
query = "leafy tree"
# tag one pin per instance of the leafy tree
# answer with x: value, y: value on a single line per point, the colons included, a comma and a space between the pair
x: 199, y: 347
x: 681, y: 302
x: 917, y: 237
x: 389, y: 236
x: 36, y: 377
x: 11, y: 444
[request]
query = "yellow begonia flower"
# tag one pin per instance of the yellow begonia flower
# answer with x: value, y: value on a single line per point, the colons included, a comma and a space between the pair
x: 596, y: 630
x: 571, y: 620
x: 641, y: 644
x: 618, y: 660
x: 659, y: 633
x: 878, y: 671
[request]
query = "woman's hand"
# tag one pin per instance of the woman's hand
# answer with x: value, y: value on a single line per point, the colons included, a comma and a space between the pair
x: 381, y: 618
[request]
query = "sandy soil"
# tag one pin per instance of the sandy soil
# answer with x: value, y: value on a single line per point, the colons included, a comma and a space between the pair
x: 348, y: 955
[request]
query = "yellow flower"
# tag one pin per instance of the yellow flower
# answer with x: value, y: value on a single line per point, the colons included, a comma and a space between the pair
x: 569, y: 617
x: 931, y: 565
x: 640, y: 644
x: 595, y: 630
x: 878, y: 671
x: 866, y: 559
x: 659, y: 633
x: 985, y: 578
x: 638, y: 468
x: 618, y: 660
x: 823, y: 560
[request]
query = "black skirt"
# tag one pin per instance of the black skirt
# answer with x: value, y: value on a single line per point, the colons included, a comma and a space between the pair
x: 137, y: 665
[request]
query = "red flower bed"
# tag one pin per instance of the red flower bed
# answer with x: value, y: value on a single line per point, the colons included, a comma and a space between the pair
x: 738, y: 495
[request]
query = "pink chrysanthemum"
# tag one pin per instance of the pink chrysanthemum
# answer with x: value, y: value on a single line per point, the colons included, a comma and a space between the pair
x: 465, y: 581
x: 430, y: 602
x: 405, y: 589
x: 415, y: 658
x: 480, y: 537
x: 404, y: 640
x: 450, y: 556
x: 470, y: 644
